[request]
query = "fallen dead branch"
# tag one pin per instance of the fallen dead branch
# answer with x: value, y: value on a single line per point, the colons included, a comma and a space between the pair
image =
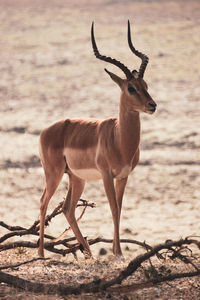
x: 152, y: 282
x: 34, y: 229
x: 113, y: 285
x: 170, y: 249
x: 53, y: 243
x: 23, y: 263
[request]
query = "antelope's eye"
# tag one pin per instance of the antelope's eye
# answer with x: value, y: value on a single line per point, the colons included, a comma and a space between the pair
x: 131, y: 89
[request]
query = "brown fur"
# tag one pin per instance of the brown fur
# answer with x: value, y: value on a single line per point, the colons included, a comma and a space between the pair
x: 89, y: 150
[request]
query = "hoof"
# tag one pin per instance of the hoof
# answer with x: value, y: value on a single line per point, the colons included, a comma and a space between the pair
x: 119, y: 259
x: 41, y: 253
x: 86, y: 249
x: 87, y: 255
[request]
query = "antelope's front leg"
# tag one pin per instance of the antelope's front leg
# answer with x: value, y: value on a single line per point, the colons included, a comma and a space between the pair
x: 120, y: 185
x: 115, y: 210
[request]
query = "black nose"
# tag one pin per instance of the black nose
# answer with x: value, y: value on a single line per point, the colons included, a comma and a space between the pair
x: 152, y: 106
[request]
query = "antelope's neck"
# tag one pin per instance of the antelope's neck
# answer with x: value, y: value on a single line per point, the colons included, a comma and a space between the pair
x: 128, y: 133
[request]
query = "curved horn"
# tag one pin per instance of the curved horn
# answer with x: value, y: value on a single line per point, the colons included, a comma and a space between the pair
x: 143, y: 57
x: 113, y: 61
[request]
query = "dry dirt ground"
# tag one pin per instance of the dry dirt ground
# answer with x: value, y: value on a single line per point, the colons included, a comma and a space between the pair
x: 48, y: 72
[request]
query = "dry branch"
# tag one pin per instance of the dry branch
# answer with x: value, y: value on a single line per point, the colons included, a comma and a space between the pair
x: 34, y: 230
x: 171, y: 249
x: 53, y: 242
x: 152, y: 282
x: 23, y: 263
x: 136, y: 263
x: 109, y: 285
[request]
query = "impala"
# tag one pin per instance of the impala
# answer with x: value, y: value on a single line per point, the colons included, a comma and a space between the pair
x: 92, y: 149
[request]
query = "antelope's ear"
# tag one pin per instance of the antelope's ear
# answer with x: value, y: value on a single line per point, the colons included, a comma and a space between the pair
x: 115, y: 78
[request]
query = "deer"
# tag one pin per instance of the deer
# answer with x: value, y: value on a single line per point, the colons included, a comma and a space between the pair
x: 106, y: 150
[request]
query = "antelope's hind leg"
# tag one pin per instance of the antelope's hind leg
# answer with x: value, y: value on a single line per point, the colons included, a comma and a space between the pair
x: 54, y: 171
x: 76, y: 186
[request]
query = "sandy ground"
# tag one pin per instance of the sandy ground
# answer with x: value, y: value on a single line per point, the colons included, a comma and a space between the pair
x: 48, y: 73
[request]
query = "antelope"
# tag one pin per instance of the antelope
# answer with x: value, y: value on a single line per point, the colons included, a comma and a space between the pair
x: 93, y: 149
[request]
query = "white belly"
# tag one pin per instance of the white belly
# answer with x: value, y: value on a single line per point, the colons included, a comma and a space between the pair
x: 125, y: 171
x: 87, y: 174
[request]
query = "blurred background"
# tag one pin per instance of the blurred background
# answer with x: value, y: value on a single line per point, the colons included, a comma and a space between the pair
x: 48, y: 73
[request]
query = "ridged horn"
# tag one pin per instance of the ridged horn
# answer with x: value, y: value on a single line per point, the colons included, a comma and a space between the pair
x: 113, y: 61
x: 143, y: 57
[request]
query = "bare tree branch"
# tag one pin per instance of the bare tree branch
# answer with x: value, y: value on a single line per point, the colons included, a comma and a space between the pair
x: 51, y: 245
x: 109, y: 285
x: 152, y: 282
x: 173, y: 249
x: 136, y: 263
x: 34, y: 229
x: 23, y: 263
